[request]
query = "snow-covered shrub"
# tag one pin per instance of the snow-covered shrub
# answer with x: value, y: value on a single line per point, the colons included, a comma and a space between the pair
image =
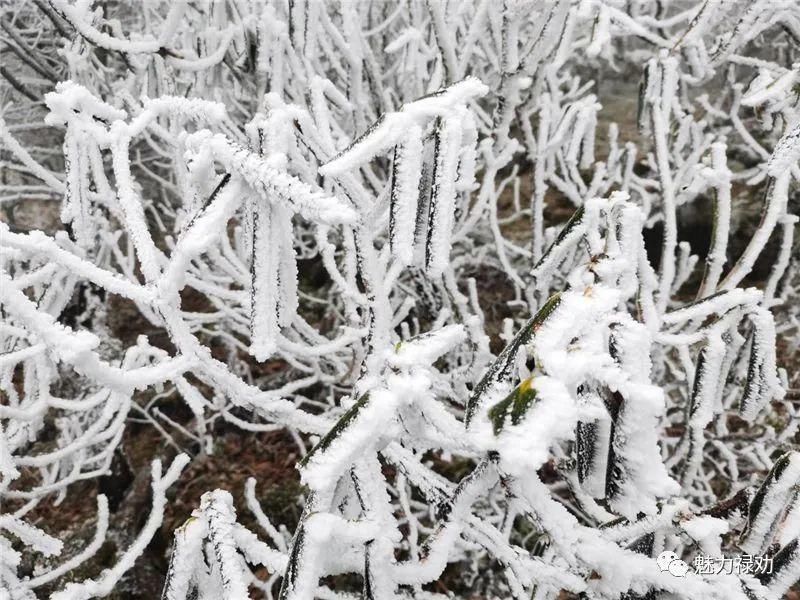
x: 221, y: 151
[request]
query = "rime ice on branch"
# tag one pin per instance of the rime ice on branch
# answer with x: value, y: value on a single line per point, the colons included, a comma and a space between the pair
x: 308, y: 206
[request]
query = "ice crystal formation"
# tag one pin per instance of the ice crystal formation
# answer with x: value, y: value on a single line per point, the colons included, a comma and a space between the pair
x: 349, y: 220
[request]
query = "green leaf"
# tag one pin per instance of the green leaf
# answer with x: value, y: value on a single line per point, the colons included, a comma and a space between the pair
x: 337, y: 430
x: 515, y: 405
x: 501, y: 368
